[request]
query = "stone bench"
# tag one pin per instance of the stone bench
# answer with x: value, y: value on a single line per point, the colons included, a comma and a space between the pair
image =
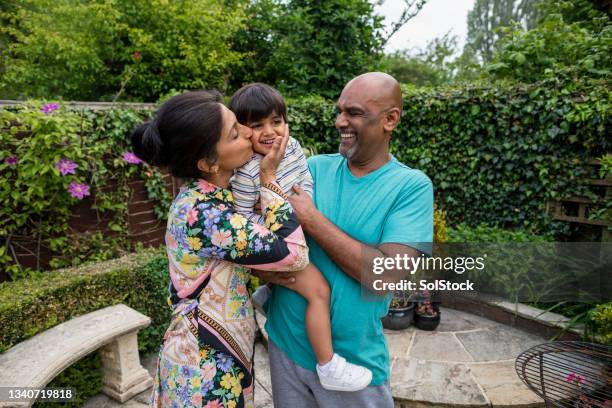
x: 113, y: 330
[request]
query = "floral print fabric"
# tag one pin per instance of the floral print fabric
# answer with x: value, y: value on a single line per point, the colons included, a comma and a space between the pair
x: 215, y: 383
x: 205, y: 359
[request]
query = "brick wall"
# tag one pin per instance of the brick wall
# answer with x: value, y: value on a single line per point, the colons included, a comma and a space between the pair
x: 143, y: 225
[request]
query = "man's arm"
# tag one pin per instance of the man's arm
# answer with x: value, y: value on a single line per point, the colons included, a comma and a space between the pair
x: 352, y: 256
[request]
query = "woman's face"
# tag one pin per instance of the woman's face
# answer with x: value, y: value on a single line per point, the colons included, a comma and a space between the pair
x: 234, y: 148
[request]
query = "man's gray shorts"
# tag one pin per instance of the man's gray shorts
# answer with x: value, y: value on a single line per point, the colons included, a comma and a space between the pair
x: 296, y: 387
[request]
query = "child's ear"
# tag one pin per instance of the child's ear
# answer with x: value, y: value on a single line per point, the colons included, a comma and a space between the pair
x: 206, y: 167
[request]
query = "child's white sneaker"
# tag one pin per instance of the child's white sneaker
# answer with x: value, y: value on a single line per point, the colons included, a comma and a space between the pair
x: 260, y: 297
x: 340, y: 375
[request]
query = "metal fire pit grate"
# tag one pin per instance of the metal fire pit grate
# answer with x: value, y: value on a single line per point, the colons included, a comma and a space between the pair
x: 568, y: 374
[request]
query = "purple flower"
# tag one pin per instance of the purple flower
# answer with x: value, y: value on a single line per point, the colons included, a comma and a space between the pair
x: 66, y: 166
x: 184, y: 395
x: 131, y: 158
x: 186, y: 371
x: 207, y: 386
x: 211, y: 217
x: 211, y: 252
x: 78, y: 190
x: 224, y: 362
x: 11, y: 160
x: 244, y: 312
x: 179, y: 235
x: 50, y: 107
x: 210, y: 229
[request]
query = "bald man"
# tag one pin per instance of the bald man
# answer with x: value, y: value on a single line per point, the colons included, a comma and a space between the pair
x: 366, y: 205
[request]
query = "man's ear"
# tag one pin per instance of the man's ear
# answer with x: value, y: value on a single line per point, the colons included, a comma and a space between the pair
x: 392, y: 118
x: 206, y: 167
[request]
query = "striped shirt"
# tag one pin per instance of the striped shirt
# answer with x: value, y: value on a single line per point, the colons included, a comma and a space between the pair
x: 292, y: 170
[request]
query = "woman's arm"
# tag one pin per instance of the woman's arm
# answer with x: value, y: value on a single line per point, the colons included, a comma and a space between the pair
x: 215, y: 230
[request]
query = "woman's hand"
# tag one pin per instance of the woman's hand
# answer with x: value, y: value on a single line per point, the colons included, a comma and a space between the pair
x: 269, y: 163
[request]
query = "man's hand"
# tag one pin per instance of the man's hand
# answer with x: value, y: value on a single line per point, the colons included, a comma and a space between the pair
x: 303, y: 206
x: 278, y: 278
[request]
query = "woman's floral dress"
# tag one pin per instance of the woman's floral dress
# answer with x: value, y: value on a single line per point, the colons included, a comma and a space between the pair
x: 206, y: 357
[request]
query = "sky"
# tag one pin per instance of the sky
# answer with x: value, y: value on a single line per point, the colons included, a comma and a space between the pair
x: 435, y: 19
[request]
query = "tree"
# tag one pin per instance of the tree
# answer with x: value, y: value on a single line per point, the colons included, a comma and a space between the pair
x: 488, y: 16
x: 410, y: 11
x: 257, y: 42
x: 430, y: 66
x: 574, y: 39
x: 321, y: 44
x: 90, y: 50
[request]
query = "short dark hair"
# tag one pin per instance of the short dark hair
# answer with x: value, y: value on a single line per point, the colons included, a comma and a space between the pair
x: 257, y: 101
x: 185, y: 129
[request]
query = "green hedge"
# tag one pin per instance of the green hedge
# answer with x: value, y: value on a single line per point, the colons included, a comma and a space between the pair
x: 30, y: 306
x: 494, y: 154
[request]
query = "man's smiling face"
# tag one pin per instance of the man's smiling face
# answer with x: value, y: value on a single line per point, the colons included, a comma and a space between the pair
x: 359, y: 122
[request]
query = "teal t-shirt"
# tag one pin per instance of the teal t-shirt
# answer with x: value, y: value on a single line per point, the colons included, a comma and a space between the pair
x: 393, y: 204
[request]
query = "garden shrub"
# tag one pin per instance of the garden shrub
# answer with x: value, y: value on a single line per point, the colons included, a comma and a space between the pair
x: 30, y: 306
x: 602, y: 322
x: 484, y: 233
x: 51, y: 158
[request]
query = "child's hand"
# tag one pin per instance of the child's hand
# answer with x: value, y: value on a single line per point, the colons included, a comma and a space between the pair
x: 270, y: 162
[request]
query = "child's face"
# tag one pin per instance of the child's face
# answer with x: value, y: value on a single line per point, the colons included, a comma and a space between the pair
x: 265, y: 131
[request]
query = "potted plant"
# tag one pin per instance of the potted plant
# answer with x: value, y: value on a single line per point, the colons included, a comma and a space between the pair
x: 426, y: 313
x: 401, y: 311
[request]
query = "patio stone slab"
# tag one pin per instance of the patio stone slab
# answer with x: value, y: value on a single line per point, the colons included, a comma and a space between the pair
x: 503, y: 387
x: 497, y: 343
x: 263, y: 384
x: 435, y: 383
x: 438, y: 347
x: 455, y: 320
x: 399, y: 342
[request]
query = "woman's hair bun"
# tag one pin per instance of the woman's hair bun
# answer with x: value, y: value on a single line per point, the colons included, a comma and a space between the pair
x: 147, y: 143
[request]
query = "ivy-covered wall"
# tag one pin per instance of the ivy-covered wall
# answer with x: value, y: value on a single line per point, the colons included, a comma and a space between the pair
x: 494, y: 154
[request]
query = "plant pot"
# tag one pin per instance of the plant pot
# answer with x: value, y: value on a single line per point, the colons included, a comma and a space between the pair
x: 424, y: 322
x: 399, y: 318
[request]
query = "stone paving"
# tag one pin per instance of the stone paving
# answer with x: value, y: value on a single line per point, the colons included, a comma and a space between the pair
x: 467, y: 362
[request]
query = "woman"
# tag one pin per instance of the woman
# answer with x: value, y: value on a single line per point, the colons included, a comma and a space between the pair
x: 206, y: 356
